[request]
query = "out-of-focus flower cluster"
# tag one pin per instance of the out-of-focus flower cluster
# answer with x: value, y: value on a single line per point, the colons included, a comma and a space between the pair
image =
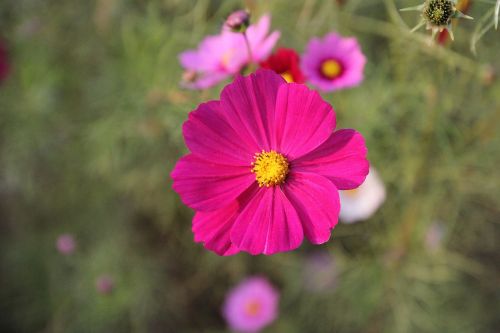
x: 329, y: 63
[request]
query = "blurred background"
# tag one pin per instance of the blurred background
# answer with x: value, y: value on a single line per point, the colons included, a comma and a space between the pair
x: 90, y: 128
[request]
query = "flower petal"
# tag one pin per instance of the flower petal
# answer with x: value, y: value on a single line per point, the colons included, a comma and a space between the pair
x: 206, y: 80
x: 263, y: 50
x: 207, y: 134
x: 303, y: 120
x: 204, y: 185
x: 249, y: 104
x: 212, y: 229
x: 316, y: 200
x: 342, y: 159
x: 268, y: 224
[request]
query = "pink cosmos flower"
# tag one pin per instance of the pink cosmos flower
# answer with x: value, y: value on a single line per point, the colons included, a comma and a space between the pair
x: 265, y: 166
x: 222, y: 56
x: 66, y: 244
x: 334, y: 62
x: 251, y: 305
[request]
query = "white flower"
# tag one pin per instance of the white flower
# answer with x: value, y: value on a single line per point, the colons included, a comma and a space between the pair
x: 361, y: 203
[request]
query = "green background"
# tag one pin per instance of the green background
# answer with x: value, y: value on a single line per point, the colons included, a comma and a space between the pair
x: 90, y: 128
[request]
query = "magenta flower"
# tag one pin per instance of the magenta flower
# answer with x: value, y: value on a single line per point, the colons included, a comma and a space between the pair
x: 266, y: 166
x: 66, y: 244
x: 334, y: 62
x: 222, y: 56
x: 251, y: 305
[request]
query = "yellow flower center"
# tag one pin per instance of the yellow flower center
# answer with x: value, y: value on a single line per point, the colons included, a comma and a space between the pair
x: 351, y: 193
x: 270, y: 168
x: 252, y: 308
x: 331, y: 68
x: 226, y: 58
x: 287, y: 76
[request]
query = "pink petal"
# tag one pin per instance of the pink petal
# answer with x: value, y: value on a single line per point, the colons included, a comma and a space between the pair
x: 262, y: 51
x: 342, y: 159
x: 257, y: 32
x: 212, y: 229
x: 303, y: 120
x: 268, y: 224
x: 190, y: 60
x: 204, y: 185
x: 316, y: 201
x: 206, y: 80
x: 208, y: 134
x: 249, y: 104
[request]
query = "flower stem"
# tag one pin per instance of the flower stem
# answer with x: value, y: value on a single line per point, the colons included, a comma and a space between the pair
x: 249, y: 49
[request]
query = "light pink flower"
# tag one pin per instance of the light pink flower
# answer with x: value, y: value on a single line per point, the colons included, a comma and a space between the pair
x: 66, y: 244
x: 265, y: 166
x: 222, y: 56
x: 251, y: 305
x: 333, y: 63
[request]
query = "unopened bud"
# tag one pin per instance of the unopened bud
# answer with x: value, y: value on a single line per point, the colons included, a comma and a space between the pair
x: 238, y: 21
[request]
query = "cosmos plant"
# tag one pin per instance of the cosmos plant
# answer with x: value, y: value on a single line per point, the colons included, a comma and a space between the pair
x: 222, y: 56
x: 333, y: 62
x: 251, y: 305
x: 437, y: 15
x: 266, y: 166
x: 329, y: 64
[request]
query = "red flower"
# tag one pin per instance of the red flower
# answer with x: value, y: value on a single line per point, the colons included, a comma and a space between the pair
x: 4, y: 63
x: 286, y: 63
x: 463, y: 6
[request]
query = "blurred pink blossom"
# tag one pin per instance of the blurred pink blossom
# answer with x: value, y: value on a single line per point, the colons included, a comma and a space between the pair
x: 66, y: 244
x: 104, y: 284
x: 251, y: 305
x: 333, y: 62
x: 221, y: 56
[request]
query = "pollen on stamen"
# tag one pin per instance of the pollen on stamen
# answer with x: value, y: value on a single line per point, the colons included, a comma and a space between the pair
x: 270, y: 168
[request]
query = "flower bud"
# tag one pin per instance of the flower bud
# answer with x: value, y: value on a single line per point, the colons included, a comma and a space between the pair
x: 437, y: 15
x: 238, y: 21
